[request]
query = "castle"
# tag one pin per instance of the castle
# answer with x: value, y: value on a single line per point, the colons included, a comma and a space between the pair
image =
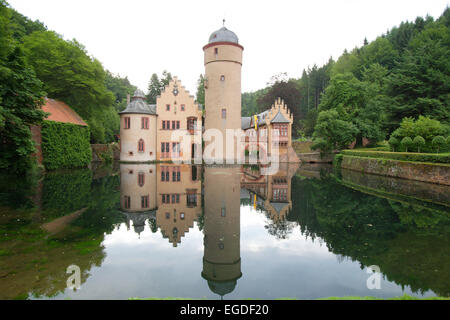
x: 177, y: 128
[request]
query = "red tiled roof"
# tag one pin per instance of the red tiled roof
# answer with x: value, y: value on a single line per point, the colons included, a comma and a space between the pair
x: 61, y: 112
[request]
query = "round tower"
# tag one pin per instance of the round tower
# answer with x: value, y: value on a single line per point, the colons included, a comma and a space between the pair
x: 138, y: 130
x: 223, y: 64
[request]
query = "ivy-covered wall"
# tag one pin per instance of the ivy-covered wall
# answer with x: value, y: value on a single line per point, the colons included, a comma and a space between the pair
x: 65, y: 145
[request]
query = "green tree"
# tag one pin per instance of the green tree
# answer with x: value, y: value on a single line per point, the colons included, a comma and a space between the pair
x: 156, y: 85
x: 356, y: 102
x: 438, y: 142
x: 154, y: 89
x: 121, y: 88
x: 418, y: 142
x: 286, y: 90
x: 332, y: 133
x: 394, y: 143
x: 406, y: 142
x: 165, y: 79
x: 69, y: 74
x: 20, y: 98
x: 201, y: 90
x: 420, y: 82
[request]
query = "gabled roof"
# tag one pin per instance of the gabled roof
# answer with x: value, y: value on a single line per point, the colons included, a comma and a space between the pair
x: 61, y: 112
x: 280, y: 118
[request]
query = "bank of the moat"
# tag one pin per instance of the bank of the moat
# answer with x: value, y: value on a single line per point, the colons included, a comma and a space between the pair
x: 153, y: 230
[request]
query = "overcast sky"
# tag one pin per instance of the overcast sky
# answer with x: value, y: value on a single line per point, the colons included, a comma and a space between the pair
x: 136, y: 38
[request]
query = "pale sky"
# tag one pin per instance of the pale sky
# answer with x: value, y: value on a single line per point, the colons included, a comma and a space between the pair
x: 136, y: 38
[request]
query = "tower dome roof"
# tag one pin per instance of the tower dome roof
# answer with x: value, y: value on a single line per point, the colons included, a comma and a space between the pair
x: 139, y: 94
x: 222, y: 287
x: 138, y: 105
x: 223, y: 35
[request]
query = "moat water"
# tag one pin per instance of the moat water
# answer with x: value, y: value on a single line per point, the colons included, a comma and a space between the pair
x: 305, y: 232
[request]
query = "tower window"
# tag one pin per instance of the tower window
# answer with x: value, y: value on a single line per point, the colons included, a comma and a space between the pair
x: 216, y: 51
x: 141, y: 179
x: 127, y: 123
x: 144, y: 123
x: 183, y: 107
x: 167, y: 107
x: 222, y: 78
x: 224, y: 113
x: 141, y: 146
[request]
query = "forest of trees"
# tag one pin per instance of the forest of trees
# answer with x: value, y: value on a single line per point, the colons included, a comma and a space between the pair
x: 367, y: 92
x: 36, y: 63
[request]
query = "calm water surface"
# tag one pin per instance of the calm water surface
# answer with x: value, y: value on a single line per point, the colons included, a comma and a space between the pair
x: 221, y: 232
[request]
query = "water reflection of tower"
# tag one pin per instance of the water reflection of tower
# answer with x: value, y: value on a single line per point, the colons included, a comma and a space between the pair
x: 222, y: 259
x: 138, y: 194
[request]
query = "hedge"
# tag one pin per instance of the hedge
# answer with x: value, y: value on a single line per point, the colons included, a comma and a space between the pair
x: 402, y: 156
x: 65, y: 145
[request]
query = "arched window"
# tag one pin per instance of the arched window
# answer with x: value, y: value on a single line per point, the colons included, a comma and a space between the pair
x: 141, y: 145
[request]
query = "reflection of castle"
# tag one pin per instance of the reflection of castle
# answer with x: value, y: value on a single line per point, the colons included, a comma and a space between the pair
x: 273, y: 192
x: 170, y: 197
x: 138, y: 193
x: 179, y: 200
x: 222, y: 256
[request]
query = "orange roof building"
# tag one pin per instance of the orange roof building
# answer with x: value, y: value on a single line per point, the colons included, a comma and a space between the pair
x: 61, y: 112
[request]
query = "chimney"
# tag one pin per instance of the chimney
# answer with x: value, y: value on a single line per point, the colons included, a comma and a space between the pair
x: 128, y: 99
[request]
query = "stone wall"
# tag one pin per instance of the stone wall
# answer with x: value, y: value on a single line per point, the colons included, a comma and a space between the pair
x: 426, y: 172
x: 316, y: 157
x: 431, y: 192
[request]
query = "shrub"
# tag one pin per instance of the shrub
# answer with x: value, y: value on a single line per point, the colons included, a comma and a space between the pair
x: 425, y: 127
x: 402, y: 156
x: 394, y: 143
x: 65, y: 145
x: 406, y: 142
x: 418, y: 142
x: 438, y: 142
